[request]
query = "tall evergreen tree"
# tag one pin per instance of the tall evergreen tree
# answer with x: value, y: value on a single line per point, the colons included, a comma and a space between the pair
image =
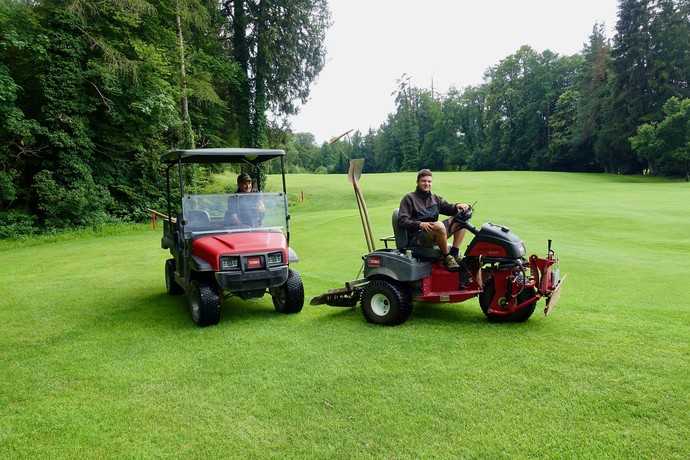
x: 632, y: 99
x: 279, y: 45
x: 594, y: 87
x: 670, y: 52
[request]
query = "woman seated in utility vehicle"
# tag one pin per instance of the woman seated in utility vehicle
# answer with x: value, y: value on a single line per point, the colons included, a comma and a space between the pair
x: 245, y: 212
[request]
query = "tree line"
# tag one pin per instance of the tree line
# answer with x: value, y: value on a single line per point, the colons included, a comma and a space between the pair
x: 92, y: 92
x: 619, y: 106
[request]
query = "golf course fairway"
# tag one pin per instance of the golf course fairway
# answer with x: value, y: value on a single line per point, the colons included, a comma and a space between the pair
x: 97, y: 361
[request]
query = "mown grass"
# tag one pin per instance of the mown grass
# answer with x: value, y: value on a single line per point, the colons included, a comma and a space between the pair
x: 95, y: 359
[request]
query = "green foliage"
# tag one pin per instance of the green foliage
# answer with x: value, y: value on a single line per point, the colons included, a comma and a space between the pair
x: 89, y: 100
x: 93, y: 92
x: 665, y: 146
x: 79, y: 202
x: 17, y: 224
x: 280, y: 47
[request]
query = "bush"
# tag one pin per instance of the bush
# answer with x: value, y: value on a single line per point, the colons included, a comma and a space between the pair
x: 17, y: 224
x: 321, y: 170
x: 8, y: 190
x: 81, y: 203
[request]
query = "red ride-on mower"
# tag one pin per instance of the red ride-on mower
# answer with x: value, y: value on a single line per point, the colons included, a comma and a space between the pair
x: 494, y: 268
x: 229, y: 244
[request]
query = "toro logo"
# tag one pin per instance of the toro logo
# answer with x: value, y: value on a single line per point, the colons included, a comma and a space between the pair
x: 373, y: 261
x: 254, y: 262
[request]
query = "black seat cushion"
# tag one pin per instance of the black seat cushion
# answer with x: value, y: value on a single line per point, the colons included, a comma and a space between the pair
x: 404, y: 242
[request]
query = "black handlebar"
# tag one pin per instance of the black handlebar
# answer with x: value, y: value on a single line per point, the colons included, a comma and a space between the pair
x: 463, y: 217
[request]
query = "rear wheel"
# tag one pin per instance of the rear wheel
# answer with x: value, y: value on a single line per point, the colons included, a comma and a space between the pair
x: 289, y: 298
x: 519, y: 316
x: 171, y: 285
x: 386, y: 302
x: 204, y: 304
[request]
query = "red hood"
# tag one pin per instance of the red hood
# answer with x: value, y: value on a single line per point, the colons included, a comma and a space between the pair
x: 210, y: 248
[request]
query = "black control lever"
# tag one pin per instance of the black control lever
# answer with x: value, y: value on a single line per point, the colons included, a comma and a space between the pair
x: 462, y: 219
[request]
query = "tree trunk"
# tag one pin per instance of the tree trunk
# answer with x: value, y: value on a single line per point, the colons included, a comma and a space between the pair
x: 187, y: 123
x: 241, y: 54
x: 259, y: 138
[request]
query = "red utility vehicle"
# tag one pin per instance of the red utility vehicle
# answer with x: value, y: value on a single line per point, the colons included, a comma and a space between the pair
x: 231, y: 243
x: 494, y: 268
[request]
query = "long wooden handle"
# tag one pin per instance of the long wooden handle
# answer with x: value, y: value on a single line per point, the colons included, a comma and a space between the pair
x: 360, y: 208
x: 366, y: 224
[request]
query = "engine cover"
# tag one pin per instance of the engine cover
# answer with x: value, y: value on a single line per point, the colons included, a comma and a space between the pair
x: 496, y: 241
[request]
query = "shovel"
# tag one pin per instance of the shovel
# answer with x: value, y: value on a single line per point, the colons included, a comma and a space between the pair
x: 353, y: 175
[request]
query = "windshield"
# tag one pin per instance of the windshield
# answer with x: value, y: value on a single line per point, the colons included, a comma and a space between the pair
x: 234, y: 212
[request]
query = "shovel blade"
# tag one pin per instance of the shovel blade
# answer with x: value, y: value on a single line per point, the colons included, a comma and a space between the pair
x: 355, y: 170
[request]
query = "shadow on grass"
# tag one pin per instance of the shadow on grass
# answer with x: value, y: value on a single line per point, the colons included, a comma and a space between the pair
x: 158, y: 307
x: 430, y: 315
x: 165, y: 311
x: 330, y: 314
x: 233, y: 309
x: 444, y: 313
x: 236, y: 309
x: 422, y: 313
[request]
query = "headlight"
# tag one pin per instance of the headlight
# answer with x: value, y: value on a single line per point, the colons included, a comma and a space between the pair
x: 275, y: 258
x: 229, y: 263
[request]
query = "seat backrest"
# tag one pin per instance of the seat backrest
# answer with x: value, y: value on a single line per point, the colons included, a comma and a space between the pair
x: 196, y: 218
x: 401, y: 238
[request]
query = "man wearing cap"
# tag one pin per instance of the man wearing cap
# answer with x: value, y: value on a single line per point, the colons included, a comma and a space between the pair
x: 245, y: 211
x: 418, y: 214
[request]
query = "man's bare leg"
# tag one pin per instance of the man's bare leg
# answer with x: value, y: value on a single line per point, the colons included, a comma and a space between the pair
x: 440, y: 237
x: 458, y: 236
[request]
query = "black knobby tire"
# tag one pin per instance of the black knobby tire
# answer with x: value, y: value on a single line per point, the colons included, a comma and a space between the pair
x: 519, y: 316
x: 289, y: 298
x: 386, y: 302
x: 171, y: 285
x: 204, y: 304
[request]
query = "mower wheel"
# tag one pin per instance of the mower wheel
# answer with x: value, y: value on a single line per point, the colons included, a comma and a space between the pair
x: 171, y: 285
x: 386, y: 302
x: 289, y: 298
x: 522, y: 315
x: 204, y: 304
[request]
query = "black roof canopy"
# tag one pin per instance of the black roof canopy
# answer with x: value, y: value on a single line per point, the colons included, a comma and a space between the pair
x: 231, y: 155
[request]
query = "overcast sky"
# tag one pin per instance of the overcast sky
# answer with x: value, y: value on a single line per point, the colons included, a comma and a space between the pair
x: 372, y: 43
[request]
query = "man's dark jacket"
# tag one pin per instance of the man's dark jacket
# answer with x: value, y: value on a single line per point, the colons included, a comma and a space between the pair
x: 419, y: 206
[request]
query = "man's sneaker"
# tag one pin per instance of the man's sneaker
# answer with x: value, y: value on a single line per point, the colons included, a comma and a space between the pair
x: 458, y: 259
x: 450, y: 263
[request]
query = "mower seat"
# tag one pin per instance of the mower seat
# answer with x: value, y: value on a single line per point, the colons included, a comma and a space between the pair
x: 403, y: 243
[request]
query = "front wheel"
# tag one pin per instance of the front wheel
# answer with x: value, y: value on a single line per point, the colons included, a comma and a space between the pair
x: 519, y: 316
x: 385, y: 302
x: 289, y: 297
x: 204, y: 304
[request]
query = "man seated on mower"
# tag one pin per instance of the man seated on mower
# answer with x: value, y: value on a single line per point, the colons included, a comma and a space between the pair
x: 244, y: 212
x: 418, y: 215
